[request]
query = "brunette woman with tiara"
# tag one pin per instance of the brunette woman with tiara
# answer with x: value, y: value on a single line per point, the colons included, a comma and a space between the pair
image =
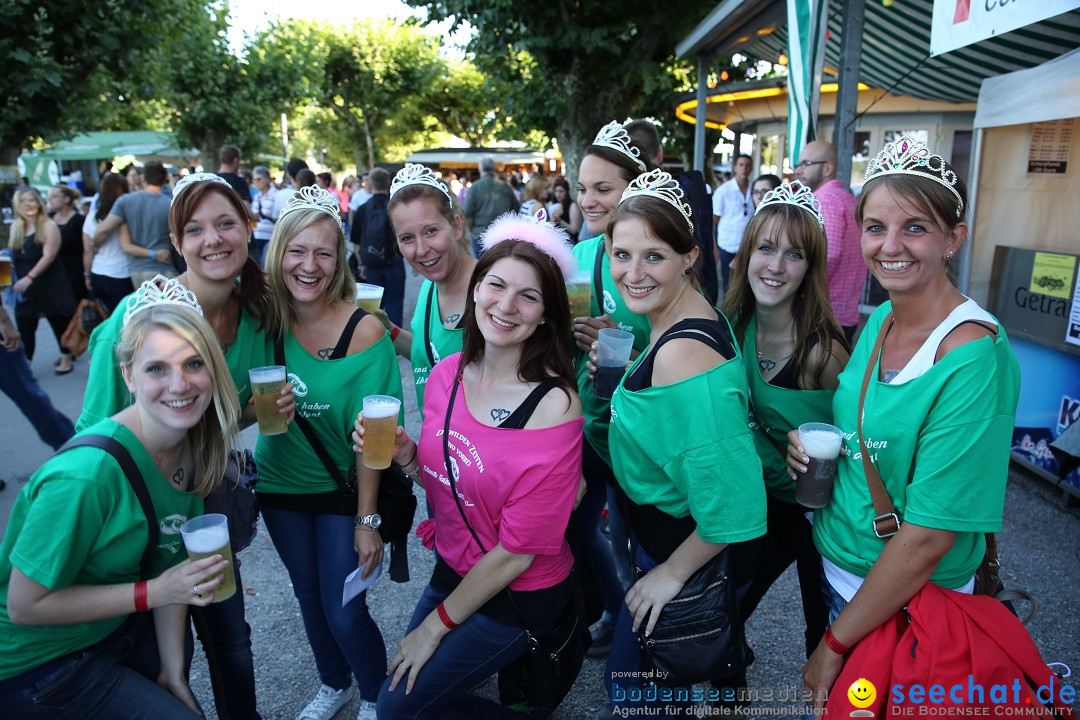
x: 778, y: 302
x: 432, y: 240
x: 932, y: 387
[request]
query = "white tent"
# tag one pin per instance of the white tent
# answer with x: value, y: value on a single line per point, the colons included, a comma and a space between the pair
x: 1009, y: 206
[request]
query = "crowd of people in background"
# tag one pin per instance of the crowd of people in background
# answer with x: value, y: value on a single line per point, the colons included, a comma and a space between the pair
x: 695, y: 456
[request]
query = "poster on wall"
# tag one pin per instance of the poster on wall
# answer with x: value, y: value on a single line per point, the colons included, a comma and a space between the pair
x: 956, y: 23
x: 1050, y: 145
x: 1072, y: 332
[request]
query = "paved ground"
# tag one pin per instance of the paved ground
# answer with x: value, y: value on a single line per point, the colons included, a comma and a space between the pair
x: 1040, y: 547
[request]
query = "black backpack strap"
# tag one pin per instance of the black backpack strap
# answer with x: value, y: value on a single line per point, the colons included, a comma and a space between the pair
x: 598, y: 277
x: 127, y: 463
x: 309, y: 431
x: 427, y: 325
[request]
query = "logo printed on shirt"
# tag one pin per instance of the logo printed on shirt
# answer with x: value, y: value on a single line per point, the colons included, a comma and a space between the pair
x: 434, y: 352
x: 170, y: 524
x: 300, y: 388
x: 609, y: 303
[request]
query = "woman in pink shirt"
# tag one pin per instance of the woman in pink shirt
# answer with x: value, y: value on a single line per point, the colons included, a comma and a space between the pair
x: 506, y: 413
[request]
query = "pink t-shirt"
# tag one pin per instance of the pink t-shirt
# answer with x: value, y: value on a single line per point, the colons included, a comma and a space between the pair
x: 517, y: 486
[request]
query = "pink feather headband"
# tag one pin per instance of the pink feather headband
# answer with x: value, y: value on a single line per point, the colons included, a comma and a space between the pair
x: 550, y: 239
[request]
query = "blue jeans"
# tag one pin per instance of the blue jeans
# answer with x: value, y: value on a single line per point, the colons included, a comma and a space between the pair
x: 317, y: 550
x: 725, y: 267
x: 834, y: 601
x: 603, y: 559
x: 392, y: 281
x: 467, y: 655
x: 17, y: 381
x: 226, y: 639
x: 114, y: 678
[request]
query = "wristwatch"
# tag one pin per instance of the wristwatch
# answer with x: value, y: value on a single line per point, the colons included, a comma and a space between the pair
x: 370, y: 521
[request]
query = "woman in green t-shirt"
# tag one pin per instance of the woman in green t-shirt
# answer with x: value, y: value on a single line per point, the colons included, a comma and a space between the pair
x: 76, y: 544
x: 681, y: 447
x: 335, y: 355
x: 937, y: 417
x: 432, y: 240
x: 795, y: 349
x: 610, y: 163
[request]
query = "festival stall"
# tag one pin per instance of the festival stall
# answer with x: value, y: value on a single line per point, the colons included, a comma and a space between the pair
x: 1026, y: 245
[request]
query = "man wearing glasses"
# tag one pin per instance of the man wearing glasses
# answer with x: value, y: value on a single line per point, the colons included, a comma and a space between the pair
x: 732, y: 209
x: 844, y: 266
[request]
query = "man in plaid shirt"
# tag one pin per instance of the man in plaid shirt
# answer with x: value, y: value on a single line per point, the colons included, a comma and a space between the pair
x: 844, y: 266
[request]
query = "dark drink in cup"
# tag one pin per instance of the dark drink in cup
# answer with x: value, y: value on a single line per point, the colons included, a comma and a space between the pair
x: 821, y: 444
x: 606, y: 380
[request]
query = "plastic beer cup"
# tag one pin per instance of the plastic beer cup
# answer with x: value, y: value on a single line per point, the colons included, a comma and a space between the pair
x: 821, y: 443
x: 5, y: 271
x: 368, y: 297
x: 612, y: 356
x: 579, y: 292
x: 208, y: 535
x: 266, y: 385
x: 380, y: 426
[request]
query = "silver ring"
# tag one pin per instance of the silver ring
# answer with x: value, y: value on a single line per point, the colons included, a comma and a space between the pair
x: 195, y: 592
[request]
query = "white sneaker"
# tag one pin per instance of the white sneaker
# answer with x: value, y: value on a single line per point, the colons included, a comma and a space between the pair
x: 367, y: 710
x: 326, y: 704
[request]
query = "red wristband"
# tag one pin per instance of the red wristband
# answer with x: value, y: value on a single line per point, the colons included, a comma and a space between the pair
x: 30, y: 277
x: 441, y: 610
x: 394, y: 332
x: 140, y: 597
x: 835, y: 645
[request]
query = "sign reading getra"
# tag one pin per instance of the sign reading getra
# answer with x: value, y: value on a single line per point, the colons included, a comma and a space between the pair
x: 957, y: 23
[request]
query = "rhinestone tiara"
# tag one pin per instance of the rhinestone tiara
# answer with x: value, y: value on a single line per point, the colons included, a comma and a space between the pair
x: 659, y: 184
x: 193, y: 178
x: 905, y: 156
x: 157, y: 291
x: 314, y: 198
x: 614, y: 136
x: 797, y: 194
x: 416, y: 174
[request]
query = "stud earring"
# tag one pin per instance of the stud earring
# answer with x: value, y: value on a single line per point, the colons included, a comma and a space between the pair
x: 687, y: 271
x: 542, y: 321
x: 948, y: 255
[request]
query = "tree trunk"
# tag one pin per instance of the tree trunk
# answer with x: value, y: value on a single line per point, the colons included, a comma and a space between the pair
x: 370, y: 141
x: 9, y: 153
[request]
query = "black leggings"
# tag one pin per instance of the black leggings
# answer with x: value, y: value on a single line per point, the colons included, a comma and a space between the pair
x: 109, y: 290
x: 27, y: 326
x: 789, y: 538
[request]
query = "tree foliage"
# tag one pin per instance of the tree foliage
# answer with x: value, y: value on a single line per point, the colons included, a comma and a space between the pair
x: 70, y: 67
x: 572, y: 66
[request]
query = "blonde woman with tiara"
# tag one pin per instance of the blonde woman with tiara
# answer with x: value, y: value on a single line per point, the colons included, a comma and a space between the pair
x: 76, y: 574
x: 337, y: 354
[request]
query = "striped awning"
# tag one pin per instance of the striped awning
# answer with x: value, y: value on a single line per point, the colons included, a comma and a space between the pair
x: 896, y: 49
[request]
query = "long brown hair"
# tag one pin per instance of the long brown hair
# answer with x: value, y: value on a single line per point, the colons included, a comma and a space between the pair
x: 546, y: 353
x: 112, y: 186
x: 253, y: 293
x: 815, y: 324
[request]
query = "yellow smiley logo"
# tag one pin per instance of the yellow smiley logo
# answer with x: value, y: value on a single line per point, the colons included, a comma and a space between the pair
x: 862, y: 693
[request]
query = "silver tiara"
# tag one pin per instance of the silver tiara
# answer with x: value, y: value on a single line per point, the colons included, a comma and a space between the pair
x: 797, y: 194
x: 311, y: 197
x: 614, y: 136
x: 193, y: 178
x: 416, y: 174
x: 906, y: 156
x: 659, y: 184
x: 158, y: 291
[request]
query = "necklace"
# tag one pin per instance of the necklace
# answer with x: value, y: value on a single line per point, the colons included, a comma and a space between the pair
x: 767, y: 364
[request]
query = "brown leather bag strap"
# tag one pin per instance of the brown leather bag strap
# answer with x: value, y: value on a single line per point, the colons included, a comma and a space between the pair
x: 886, y: 521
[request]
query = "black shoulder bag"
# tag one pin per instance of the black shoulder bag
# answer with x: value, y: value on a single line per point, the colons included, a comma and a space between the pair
x: 554, y: 659
x: 396, y: 503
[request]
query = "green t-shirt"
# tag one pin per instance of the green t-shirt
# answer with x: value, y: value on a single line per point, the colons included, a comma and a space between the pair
x: 329, y: 393
x: 774, y: 412
x: 78, y: 522
x: 106, y: 393
x: 941, y: 443
x: 597, y: 410
x: 443, y: 342
x: 687, y: 448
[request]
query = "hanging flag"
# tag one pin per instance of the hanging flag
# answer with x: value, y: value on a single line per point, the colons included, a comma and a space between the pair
x: 807, y: 20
